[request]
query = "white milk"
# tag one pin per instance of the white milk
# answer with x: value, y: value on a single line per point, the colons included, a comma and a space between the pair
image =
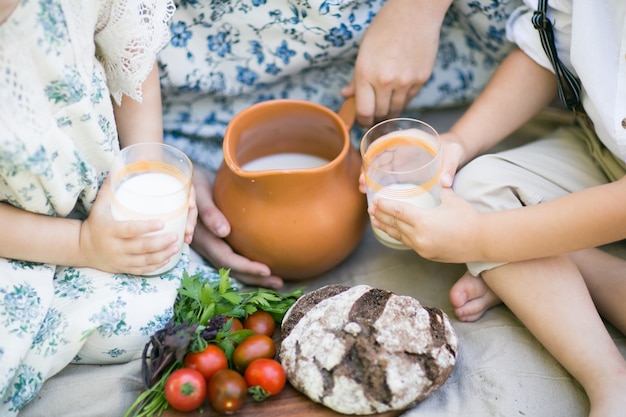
x: 399, y: 192
x: 284, y: 161
x: 154, y: 195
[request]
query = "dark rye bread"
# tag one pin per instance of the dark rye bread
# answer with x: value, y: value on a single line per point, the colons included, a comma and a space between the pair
x: 364, y: 350
x: 305, y: 303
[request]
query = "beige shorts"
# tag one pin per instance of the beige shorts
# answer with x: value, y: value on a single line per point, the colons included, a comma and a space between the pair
x: 569, y: 159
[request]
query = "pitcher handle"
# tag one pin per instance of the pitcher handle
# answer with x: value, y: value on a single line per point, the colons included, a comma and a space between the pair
x: 347, y: 112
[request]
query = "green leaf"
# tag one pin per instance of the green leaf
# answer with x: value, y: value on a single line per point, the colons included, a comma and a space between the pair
x: 240, y: 335
x: 207, y: 314
x: 227, y: 346
x: 207, y: 295
x: 224, y: 281
x: 269, y: 296
x: 234, y: 311
x: 250, y: 308
x: 233, y: 298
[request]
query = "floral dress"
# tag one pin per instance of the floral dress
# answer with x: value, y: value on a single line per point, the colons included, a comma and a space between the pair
x: 57, y: 139
x: 225, y: 55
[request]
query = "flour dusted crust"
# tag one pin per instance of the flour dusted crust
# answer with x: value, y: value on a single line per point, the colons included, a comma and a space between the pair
x: 363, y: 350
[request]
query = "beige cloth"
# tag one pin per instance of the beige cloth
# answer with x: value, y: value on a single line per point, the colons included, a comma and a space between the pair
x: 613, y: 167
x: 501, y: 369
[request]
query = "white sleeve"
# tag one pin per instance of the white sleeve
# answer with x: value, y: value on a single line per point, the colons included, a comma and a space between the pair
x: 129, y: 35
x: 521, y: 31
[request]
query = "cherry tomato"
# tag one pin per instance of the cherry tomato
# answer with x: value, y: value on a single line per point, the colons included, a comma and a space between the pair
x: 253, y: 347
x: 207, y: 362
x: 268, y: 374
x: 236, y: 325
x: 260, y: 322
x: 227, y: 391
x: 185, y: 389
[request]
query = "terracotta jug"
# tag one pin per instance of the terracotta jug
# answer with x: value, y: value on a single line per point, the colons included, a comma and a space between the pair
x: 299, y: 221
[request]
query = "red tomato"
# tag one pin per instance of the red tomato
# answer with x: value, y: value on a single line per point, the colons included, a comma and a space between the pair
x: 268, y: 374
x: 227, y: 391
x: 207, y: 362
x: 253, y: 347
x: 185, y: 389
x: 236, y: 325
x: 260, y: 322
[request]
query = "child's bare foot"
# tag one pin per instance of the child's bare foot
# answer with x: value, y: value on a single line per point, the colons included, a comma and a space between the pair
x: 471, y: 298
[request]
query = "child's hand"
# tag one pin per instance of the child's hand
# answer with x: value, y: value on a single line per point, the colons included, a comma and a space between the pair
x: 452, y: 154
x: 447, y: 233
x: 121, y: 246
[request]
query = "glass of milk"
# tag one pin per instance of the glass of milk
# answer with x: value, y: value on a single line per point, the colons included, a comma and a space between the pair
x: 401, y: 161
x: 153, y: 181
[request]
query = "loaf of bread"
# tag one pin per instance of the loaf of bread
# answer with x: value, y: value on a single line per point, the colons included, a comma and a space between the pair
x: 363, y: 350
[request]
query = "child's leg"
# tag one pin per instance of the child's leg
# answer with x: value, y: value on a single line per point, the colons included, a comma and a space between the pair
x: 551, y: 298
x: 605, y: 276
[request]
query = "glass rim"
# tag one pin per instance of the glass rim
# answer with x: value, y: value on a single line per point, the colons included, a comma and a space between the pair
x: 400, y: 119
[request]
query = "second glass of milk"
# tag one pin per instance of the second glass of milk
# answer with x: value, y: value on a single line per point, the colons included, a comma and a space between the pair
x: 401, y: 161
x: 153, y: 181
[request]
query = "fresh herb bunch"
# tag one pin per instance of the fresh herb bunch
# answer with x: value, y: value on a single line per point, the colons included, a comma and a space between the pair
x: 199, y: 300
x: 203, y: 314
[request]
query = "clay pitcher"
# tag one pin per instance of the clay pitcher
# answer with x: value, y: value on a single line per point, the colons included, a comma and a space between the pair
x: 300, y: 221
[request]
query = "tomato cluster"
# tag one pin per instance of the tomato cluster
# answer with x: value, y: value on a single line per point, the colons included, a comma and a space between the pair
x: 226, y: 383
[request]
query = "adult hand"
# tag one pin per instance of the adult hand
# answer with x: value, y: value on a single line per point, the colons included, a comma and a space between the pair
x: 208, y: 241
x: 122, y: 246
x: 192, y: 216
x: 447, y: 233
x: 396, y: 58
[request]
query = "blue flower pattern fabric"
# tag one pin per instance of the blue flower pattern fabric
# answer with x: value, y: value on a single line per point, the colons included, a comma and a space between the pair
x: 226, y: 55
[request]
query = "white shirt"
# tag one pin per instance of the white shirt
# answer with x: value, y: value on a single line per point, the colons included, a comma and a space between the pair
x: 591, y: 41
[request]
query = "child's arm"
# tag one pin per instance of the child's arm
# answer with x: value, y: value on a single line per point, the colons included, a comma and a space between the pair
x: 456, y: 232
x: 584, y: 219
x: 101, y: 243
x: 36, y: 237
x: 141, y: 122
x: 396, y: 57
x: 518, y: 90
x: 6, y: 8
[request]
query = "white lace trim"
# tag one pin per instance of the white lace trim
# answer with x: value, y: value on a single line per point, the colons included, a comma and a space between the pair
x: 128, y: 41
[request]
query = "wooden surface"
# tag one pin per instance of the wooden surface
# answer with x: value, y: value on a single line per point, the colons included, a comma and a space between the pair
x: 288, y: 403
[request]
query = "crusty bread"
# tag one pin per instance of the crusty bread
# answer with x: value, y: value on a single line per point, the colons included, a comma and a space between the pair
x: 363, y: 350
